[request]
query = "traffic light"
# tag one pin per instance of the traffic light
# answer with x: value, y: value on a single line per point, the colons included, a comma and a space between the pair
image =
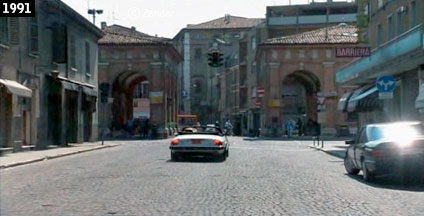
x: 215, y: 58
x: 104, y: 92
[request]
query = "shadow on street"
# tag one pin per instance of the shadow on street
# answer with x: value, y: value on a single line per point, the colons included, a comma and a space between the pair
x: 414, y: 184
x: 196, y: 159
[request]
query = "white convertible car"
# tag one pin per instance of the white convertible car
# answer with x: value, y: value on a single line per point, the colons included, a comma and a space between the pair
x: 202, y: 140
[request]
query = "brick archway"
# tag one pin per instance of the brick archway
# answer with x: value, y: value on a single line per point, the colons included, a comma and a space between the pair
x: 123, y: 95
x: 299, y: 96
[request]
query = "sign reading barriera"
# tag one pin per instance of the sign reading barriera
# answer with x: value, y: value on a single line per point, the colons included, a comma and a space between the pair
x: 353, y: 52
x: 17, y: 8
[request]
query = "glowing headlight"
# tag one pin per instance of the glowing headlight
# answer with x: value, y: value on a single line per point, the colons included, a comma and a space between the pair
x: 403, y: 135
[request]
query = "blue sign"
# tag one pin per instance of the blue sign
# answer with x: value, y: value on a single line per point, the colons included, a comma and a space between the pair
x: 386, y: 84
x: 184, y: 93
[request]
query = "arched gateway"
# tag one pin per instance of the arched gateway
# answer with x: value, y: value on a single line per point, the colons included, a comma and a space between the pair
x: 141, y: 72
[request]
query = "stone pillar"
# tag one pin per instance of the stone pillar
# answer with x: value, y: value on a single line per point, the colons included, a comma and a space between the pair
x: 329, y: 85
x: 63, y: 126
x: 272, y: 101
x: 80, y: 118
x: 158, y: 110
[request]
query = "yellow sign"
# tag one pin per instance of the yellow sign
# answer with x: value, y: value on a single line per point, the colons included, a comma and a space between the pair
x: 156, y: 97
x: 274, y: 103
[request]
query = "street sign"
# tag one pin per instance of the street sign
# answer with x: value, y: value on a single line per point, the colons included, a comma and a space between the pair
x: 386, y: 84
x: 184, y: 93
x: 260, y: 92
x: 349, y: 52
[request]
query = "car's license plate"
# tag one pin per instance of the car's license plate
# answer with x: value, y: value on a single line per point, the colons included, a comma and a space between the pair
x: 196, y: 141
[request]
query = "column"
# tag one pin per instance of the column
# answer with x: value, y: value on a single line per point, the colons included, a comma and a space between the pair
x: 272, y: 102
x: 158, y: 108
x: 330, y: 114
x: 80, y: 118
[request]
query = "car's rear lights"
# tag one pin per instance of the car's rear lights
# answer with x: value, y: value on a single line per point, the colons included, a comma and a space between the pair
x: 217, y: 142
x: 175, y: 141
x: 378, y: 154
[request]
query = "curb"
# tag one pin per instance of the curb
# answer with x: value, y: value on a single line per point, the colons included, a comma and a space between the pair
x: 327, y: 152
x: 55, y: 156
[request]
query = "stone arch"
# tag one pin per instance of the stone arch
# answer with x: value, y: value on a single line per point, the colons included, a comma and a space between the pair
x: 299, y: 96
x: 123, y: 94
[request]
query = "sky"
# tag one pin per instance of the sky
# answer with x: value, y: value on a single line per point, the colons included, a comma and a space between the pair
x: 166, y: 18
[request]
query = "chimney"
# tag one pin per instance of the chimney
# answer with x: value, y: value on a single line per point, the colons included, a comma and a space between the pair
x: 103, y: 25
x: 132, y: 28
x: 227, y: 18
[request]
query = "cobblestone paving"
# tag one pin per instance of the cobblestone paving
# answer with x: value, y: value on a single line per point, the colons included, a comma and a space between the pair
x: 259, y: 178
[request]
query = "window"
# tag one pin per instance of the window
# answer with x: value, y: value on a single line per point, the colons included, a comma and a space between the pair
x: 288, y: 54
x: 414, y: 17
x: 72, y: 51
x: 198, y: 53
x: 253, y: 42
x: 379, y: 34
x: 59, y: 44
x: 33, y: 35
x: 328, y: 53
x: 253, y: 92
x: 314, y: 54
x: 87, y: 58
x: 301, y: 53
x: 399, y: 23
x: 380, y: 4
x: 389, y: 28
x: 4, y: 30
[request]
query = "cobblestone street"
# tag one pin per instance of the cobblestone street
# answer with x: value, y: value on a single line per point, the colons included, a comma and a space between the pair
x: 258, y: 178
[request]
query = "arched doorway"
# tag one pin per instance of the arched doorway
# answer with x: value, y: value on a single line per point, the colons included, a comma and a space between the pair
x: 130, y: 92
x: 299, y: 90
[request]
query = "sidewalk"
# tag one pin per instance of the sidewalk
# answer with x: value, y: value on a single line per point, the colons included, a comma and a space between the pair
x: 21, y: 158
x: 335, y: 148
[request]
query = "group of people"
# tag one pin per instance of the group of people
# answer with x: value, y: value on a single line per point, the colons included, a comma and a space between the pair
x: 311, y: 128
x: 228, y: 127
x: 139, y: 126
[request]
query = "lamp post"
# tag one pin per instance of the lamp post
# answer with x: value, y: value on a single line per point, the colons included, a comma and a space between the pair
x: 94, y: 12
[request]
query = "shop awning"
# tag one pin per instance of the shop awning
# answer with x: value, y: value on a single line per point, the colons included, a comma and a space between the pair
x: 69, y: 86
x: 352, y: 104
x: 343, y: 102
x: 364, y: 99
x: 16, y: 88
x: 365, y: 94
x: 89, y: 91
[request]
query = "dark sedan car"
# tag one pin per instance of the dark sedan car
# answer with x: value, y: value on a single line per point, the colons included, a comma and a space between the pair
x: 383, y: 149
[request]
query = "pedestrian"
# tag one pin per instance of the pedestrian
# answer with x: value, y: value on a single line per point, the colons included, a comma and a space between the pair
x: 146, y: 128
x: 228, y: 127
x: 299, y: 125
x: 289, y: 127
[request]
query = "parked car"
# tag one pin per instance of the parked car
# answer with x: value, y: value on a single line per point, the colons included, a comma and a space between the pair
x: 206, y: 140
x: 386, y: 149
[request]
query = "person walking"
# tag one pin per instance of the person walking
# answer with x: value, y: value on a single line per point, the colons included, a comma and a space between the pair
x: 146, y: 128
x: 299, y: 125
x: 289, y: 127
x: 228, y: 127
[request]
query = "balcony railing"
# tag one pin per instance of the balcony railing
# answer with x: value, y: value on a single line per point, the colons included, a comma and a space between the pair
x: 407, y: 42
x: 312, y: 19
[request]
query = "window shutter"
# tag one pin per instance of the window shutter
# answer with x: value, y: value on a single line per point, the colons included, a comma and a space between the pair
x: 14, y: 30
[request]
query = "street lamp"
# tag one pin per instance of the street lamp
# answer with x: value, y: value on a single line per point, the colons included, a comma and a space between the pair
x: 94, y: 12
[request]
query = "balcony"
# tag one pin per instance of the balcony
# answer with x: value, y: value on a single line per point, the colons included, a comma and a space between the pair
x: 312, y: 19
x: 384, y: 55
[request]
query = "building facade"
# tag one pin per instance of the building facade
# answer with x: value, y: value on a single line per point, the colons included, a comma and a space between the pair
x: 395, y: 34
x: 54, y: 55
x: 141, y: 72
x: 200, y: 89
x: 298, y: 79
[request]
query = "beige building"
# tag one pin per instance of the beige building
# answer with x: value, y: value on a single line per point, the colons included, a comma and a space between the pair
x: 200, y: 83
x: 139, y: 69
x: 298, y: 77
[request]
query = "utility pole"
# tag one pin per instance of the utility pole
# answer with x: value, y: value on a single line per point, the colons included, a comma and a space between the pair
x: 93, y: 12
